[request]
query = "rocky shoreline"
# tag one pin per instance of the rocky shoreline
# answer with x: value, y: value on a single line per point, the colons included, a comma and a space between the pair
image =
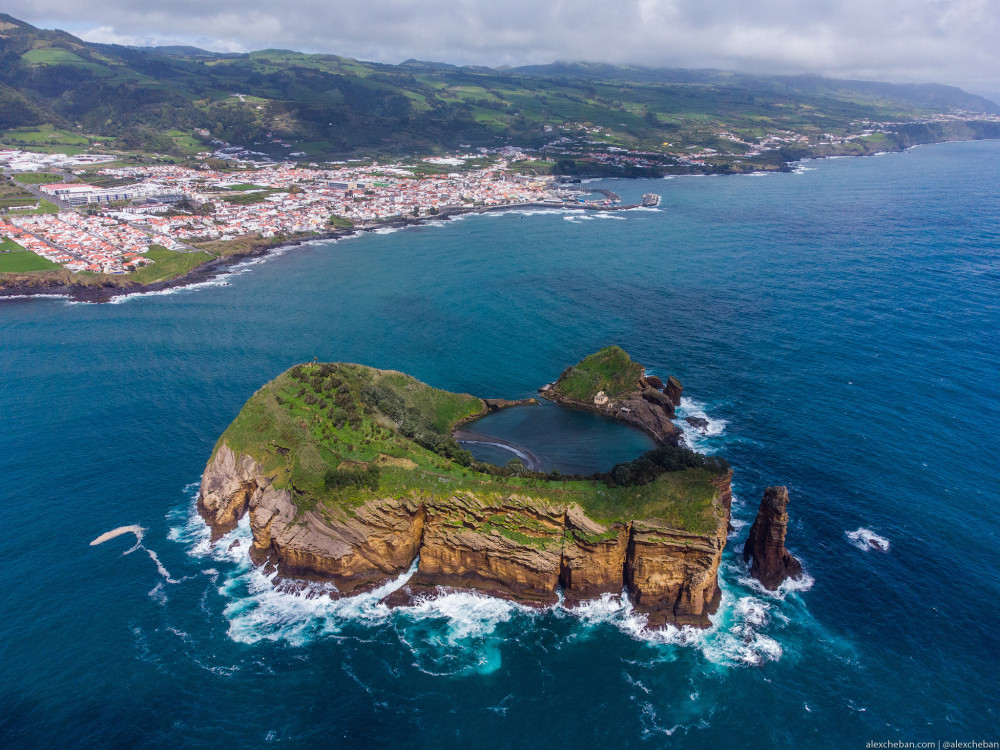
x: 26, y: 285
x: 531, y: 540
x: 671, y: 575
x: 649, y: 407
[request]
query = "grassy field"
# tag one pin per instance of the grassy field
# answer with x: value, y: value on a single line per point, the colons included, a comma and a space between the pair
x: 169, y: 264
x: 38, y: 178
x: 20, y: 261
x: 339, y: 222
x: 46, y: 139
x: 12, y: 194
x: 44, y: 207
x: 337, y: 435
x: 23, y: 200
x: 186, y: 142
x: 247, y: 199
x: 8, y: 245
x: 609, y: 370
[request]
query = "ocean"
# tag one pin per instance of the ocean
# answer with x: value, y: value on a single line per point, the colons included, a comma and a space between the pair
x: 837, y: 326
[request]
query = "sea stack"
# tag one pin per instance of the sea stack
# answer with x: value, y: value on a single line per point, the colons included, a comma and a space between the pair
x: 772, y: 563
x: 673, y: 389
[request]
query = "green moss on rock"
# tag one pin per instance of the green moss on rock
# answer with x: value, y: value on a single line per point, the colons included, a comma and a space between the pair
x: 610, y: 370
x: 336, y: 435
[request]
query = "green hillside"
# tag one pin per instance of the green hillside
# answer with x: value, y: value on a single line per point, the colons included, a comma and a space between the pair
x: 336, y: 435
x: 610, y: 370
x: 59, y: 91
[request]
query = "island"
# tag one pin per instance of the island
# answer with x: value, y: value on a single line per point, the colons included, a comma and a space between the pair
x: 351, y: 475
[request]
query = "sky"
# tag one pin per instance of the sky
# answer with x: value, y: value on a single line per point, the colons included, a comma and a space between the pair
x: 905, y: 41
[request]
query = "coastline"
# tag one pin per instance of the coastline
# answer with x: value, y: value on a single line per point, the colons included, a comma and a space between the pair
x: 100, y: 292
x: 212, y: 269
x: 531, y: 461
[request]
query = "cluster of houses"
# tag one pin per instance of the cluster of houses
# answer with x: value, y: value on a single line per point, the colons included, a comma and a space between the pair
x: 277, y: 200
x: 82, y: 243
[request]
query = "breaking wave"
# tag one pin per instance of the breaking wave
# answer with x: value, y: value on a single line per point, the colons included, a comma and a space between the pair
x: 788, y: 586
x: 734, y: 638
x: 453, y: 632
x: 699, y: 438
x: 207, y: 284
x: 866, y: 539
x: 139, y: 533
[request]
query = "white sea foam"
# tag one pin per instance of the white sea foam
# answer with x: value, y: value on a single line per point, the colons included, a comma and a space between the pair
x: 530, y: 212
x: 64, y: 297
x: 468, y: 615
x: 208, y: 283
x: 451, y: 632
x: 866, y: 539
x: 121, y: 530
x: 139, y: 533
x: 447, y: 631
x: 734, y: 639
x: 699, y: 438
x: 158, y: 593
x: 739, y: 641
x: 258, y: 611
x: 788, y: 586
x: 737, y: 524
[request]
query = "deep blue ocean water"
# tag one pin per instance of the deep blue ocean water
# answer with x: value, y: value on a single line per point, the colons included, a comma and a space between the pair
x: 838, y: 326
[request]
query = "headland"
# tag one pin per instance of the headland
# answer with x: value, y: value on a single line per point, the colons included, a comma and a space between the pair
x: 351, y: 474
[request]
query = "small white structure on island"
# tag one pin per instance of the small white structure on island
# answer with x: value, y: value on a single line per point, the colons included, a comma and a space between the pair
x: 601, y: 399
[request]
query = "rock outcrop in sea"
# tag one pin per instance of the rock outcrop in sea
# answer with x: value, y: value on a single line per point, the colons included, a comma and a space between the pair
x: 350, y: 475
x: 608, y: 382
x: 765, y: 546
x: 671, y: 575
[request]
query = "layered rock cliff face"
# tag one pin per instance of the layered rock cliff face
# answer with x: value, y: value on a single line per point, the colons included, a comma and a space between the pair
x: 516, y: 546
x: 765, y: 546
x: 351, y: 474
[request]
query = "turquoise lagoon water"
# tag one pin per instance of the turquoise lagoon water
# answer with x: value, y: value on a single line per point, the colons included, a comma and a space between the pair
x: 838, y: 326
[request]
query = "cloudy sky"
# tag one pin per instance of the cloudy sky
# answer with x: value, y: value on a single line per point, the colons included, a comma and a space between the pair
x: 942, y: 41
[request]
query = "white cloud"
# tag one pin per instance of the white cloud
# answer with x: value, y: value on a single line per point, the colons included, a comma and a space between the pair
x: 945, y: 41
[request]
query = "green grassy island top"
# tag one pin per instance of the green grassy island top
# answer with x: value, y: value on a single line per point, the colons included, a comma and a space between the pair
x: 610, y: 370
x: 337, y: 435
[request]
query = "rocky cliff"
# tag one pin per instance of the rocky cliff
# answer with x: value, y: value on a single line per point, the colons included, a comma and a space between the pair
x: 517, y: 547
x: 349, y: 475
x: 771, y: 562
x: 608, y: 382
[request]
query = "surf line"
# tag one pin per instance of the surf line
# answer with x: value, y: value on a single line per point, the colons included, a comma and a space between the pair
x: 139, y: 531
x: 531, y: 461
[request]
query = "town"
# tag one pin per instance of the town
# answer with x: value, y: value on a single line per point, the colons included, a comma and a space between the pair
x: 110, y: 228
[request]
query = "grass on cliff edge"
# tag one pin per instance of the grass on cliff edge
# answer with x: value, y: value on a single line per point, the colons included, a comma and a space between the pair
x: 20, y: 261
x: 337, y: 435
x: 168, y: 264
x: 610, y: 370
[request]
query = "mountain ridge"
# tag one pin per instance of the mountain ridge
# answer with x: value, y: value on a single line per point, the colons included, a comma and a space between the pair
x: 156, y: 99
